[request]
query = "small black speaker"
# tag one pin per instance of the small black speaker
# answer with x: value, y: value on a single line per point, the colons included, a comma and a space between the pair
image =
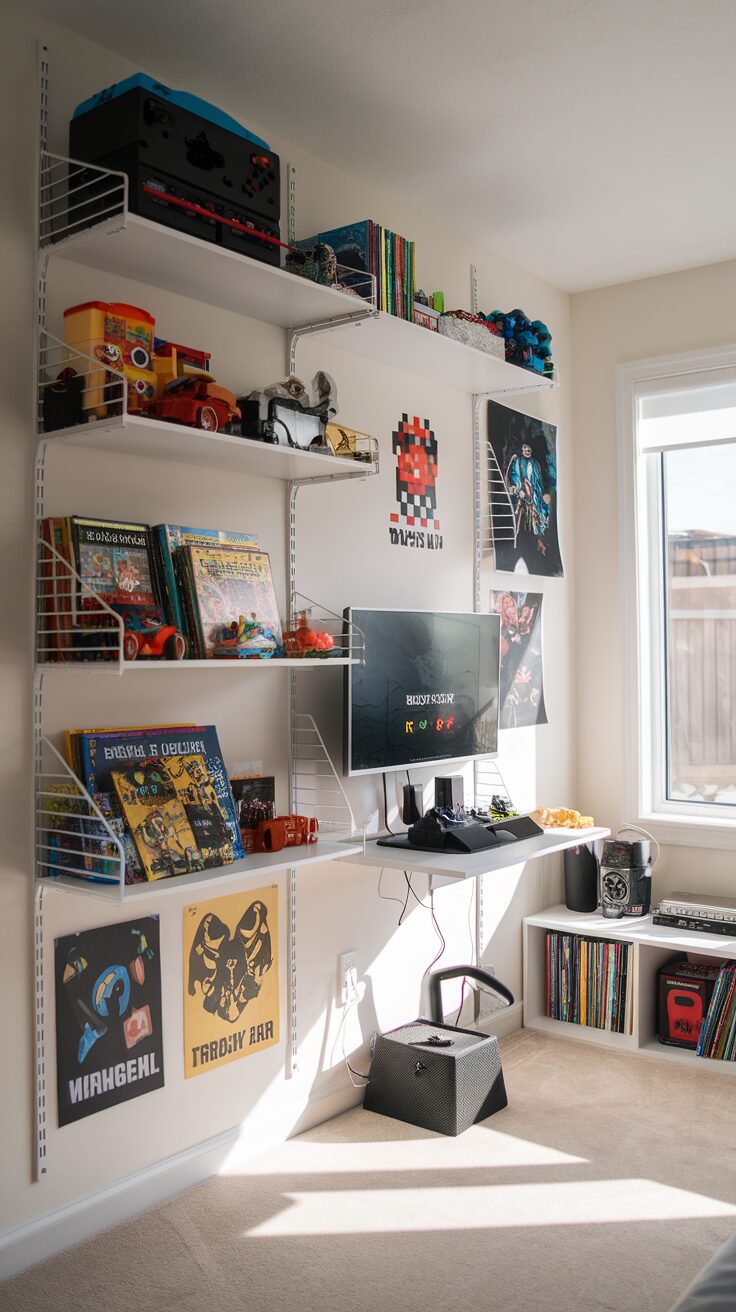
x: 449, y: 791
x: 581, y: 878
x: 411, y: 809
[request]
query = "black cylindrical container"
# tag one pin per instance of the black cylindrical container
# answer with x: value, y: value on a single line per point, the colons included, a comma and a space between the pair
x: 581, y: 878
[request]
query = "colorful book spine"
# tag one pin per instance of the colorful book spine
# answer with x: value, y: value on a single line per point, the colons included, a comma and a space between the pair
x: 587, y: 982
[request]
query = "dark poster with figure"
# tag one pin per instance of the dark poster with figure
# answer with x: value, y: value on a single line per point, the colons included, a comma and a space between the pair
x: 524, y: 453
x: 109, y: 1045
x: 522, y: 682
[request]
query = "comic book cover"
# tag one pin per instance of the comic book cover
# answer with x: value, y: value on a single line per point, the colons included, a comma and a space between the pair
x: 97, y: 753
x: 114, y: 560
x: 226, y: 584
x: 167, y: 538
x: 231, y: 978
x: 196, y: 792
x: 156, y: 819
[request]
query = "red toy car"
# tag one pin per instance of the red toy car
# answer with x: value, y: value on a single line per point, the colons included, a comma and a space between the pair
x: 147, y: 634
x: 197, y: 402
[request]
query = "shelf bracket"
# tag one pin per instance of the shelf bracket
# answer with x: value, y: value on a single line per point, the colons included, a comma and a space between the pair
x: 355, y: 318
x: 292, y: 1046
x: 473, y: 289
x: 39, y: 1052
x: 290, y: 204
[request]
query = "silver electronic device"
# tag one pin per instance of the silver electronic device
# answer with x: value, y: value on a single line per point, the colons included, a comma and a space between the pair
x: 704, y: 911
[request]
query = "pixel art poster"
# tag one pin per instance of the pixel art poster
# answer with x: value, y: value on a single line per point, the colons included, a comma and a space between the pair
x: 415, y: 522
x: 231, y: 978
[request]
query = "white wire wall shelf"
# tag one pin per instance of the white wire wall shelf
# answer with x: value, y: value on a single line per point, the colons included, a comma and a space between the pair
x: 77, y: 630
x: 316, y: 787
x: 107, y: 425
x: 407, y: 346
x: 85, y: 218
x: 78, y: 850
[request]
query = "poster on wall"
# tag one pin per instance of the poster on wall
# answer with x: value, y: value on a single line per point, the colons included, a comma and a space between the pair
x: 415, y: 523
x: 521, y: 684
x: 523, y: 451
x: 231, y: 978
x: 109, y: 1044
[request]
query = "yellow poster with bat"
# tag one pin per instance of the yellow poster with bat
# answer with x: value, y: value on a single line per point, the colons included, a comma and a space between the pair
x: 231, y: 978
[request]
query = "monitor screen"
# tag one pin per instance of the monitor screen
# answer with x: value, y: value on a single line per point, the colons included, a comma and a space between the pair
x: 427, y: 691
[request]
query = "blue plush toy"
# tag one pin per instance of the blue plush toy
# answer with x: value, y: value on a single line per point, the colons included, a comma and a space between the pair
x: 527, y: 344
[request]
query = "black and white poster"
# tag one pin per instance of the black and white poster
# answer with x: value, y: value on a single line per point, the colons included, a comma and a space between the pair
x: 109, y: 1045
x: 523, y: 492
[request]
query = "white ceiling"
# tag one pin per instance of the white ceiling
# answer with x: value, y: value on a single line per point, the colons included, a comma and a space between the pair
x: 590, y: 141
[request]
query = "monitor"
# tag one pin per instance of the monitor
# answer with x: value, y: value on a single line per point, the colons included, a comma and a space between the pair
x: 427, y: 692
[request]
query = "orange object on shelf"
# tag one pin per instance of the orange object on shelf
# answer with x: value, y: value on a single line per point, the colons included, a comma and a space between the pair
x: 303, y: 640
x: 561, y: 817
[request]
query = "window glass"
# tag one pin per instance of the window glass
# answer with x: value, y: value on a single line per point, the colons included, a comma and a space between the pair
x: 699, y: 547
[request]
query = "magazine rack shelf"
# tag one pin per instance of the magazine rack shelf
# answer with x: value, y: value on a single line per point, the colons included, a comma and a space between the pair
x: 95, y: 644
x: 652, y: 946
x: 79, y: 852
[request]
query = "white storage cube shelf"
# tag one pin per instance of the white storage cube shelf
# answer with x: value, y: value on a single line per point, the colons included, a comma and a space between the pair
x: 652, y: 946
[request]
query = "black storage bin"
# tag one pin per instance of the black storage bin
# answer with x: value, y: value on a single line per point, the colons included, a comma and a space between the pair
x: 441, y: 1089
x: 184, y: 171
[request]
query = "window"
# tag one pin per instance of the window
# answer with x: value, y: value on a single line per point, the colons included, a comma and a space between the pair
x: 678, y: 421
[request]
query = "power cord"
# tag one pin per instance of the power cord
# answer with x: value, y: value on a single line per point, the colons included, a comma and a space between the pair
x: 385, y: 809
x: 341, y: 1036
x: 386, y: 897
x: 438, y: 931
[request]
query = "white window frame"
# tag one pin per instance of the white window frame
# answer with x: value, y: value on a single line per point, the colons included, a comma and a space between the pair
x: 643, y: 618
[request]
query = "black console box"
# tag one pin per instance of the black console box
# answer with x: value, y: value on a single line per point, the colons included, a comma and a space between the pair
x: 184, y: 171
x: 474, y: 837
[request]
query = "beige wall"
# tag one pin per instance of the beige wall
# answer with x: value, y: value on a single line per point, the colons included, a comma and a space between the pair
x: 633, y: 321
x: 345, y: 558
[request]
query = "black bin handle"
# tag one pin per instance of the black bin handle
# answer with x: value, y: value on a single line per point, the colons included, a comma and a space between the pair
x: 437, y: 978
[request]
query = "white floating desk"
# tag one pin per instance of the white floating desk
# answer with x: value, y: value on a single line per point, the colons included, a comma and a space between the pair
x: 459, y: 865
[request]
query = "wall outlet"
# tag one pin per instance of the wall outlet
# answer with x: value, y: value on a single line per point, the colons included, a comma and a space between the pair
x: 347, y: 977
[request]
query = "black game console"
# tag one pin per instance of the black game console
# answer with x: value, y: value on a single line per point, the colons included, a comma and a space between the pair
x: 435, y: 833
x: 185, y: 170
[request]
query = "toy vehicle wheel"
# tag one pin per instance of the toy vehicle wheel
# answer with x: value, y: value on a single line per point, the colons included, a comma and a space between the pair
x: 175, y: 647
x: 207, y: 419
x: 130, y: 647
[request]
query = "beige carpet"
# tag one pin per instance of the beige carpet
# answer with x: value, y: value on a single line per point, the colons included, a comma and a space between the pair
x: 606, y: 1184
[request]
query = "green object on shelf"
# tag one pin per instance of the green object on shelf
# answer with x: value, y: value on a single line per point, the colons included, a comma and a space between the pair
x: 438, y: 301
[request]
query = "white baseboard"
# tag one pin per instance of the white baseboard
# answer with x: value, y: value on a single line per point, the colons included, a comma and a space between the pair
x: 54, y: 1231
x: 503, y: 1021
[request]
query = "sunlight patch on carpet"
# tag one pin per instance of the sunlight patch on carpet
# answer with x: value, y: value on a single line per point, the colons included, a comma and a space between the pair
x: 584, y: 1202
x: 479, y: 1149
